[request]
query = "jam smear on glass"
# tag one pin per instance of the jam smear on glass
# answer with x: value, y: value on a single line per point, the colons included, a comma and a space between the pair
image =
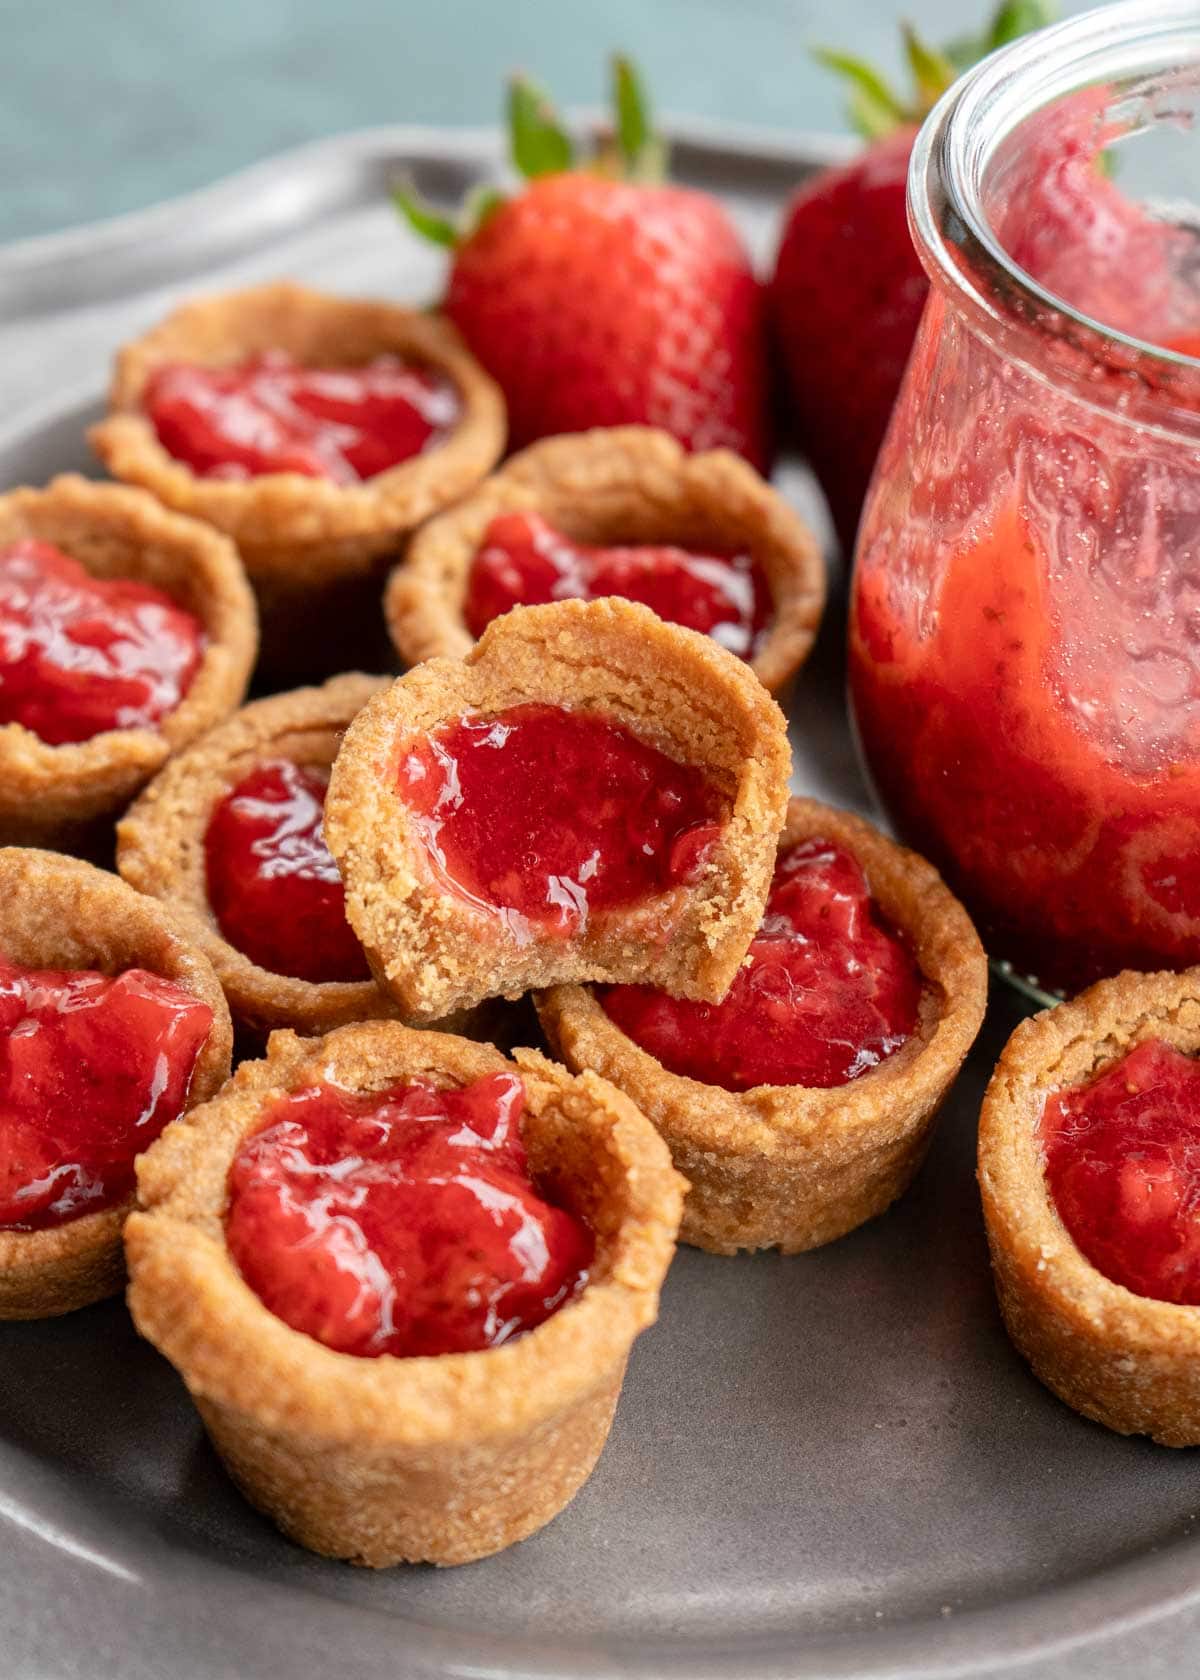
x: 271, y: 414
x: 91, y: 1070
x: 828, y: 991
x: 547, y: 814
x: 1122, y: 1162
x: 80, y: 655
x: 401, y: 1221
x: 272, y: 884
x: 523, y: 561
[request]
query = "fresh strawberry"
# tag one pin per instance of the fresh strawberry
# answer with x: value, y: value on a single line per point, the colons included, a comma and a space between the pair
x: 848, y: 289
x: 599, y: 295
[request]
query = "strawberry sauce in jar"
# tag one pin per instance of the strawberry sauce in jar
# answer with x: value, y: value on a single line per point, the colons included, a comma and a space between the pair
x: 1025, y: 628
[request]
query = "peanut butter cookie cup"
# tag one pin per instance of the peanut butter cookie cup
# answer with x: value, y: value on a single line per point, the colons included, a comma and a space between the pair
x: 367, y: 418
x: 111, y: 1023
x: 1087, y: 1148
x: 125, y: 632
x: 229, y: 835
x: 803, y: 1103
x: 624, y: 511
x: 589, y: 794
x: 419, y: 1417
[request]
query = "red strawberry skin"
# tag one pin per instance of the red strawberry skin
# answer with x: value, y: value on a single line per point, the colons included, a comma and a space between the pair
x: 597, y: 302
x: 845, y: 299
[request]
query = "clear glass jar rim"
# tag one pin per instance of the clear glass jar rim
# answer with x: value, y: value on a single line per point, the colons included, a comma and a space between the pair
x: 963, y: 132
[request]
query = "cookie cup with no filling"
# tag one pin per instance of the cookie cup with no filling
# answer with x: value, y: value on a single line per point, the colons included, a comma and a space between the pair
x: 161, y: 847
x: 618, y: 486
x: 310, y: 546
x: 790, y: 1166
x: 1125, y: 1360
x: 439, y: 1459
x: 435, y: 948
x: 59, y: 913
x: 58, y: 795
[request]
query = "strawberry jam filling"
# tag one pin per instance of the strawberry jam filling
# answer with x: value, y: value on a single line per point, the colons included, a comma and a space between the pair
x: 270, y: 414
x: 91, y: 1070
x: 1122, y: 1162
x: 81, y: 654
x: 523, y: 561
x: 272, y: 885
x: 548, y: 814
x: 401, y: 1221
x: 828, y: 990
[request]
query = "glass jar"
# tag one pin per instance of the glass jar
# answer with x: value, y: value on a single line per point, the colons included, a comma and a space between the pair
x: 1025, y: 623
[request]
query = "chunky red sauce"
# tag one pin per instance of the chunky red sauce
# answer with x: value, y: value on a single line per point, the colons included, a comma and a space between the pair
x: 1122, y: 1159
x: 1040, y: 751
x: 828, y: 990
x: 272, y: 415
x: 272, y: 884
x: 401, y: 1221
x: 91, y: 1070
x: 81, y: 654
x: 523, y: 561
x: 549, y: 814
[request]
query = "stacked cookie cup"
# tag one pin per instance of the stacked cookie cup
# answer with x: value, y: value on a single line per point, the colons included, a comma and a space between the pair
x: 453, y: 795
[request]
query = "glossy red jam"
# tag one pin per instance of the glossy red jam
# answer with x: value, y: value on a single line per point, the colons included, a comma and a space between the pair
x: 272, y: 885
x: 91, y: 1070
x: 401, y: 1221
x: 523, y: 561
x: 1122, y: 1160
x: 829, y: 990
x: 80, y: 654
x: 549, y: 814
x: 272, y: 415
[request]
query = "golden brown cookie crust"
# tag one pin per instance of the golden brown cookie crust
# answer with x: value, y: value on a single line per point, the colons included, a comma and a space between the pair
x: 297, y: 533
x: 160, y: 846
x: 56, y: 912
x: 624, y: 484
x: 790, y: 1167
x: 48, y: 793
x: 676, y: 689
x: 1128, y: 1362
x: 392, y: 1460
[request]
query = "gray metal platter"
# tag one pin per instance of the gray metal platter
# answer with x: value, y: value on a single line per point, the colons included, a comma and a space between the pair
x: 828, y: 1465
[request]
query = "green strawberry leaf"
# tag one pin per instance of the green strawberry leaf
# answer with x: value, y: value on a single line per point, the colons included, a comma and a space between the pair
x: 439, y: 230
x: 932, y: 70
x: 540, y: 144
x: 874, y: 107
x: 641, y: 153
x: 1018, y: 17
x: 481, y: 205
x: 632, y: 113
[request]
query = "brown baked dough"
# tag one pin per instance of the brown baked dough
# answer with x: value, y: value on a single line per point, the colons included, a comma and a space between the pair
x: 56, y: 912
x: 625, y: 484
x: 51, y: 794
x: 309, y: 545
x: 676, y: 689
x: 1130, y: 1363
x: 786, y: 1166
x: 160, y: 846
x: 389, y: 1460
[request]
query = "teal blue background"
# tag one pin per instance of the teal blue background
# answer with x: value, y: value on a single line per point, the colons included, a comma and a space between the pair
x: 109, y: 105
